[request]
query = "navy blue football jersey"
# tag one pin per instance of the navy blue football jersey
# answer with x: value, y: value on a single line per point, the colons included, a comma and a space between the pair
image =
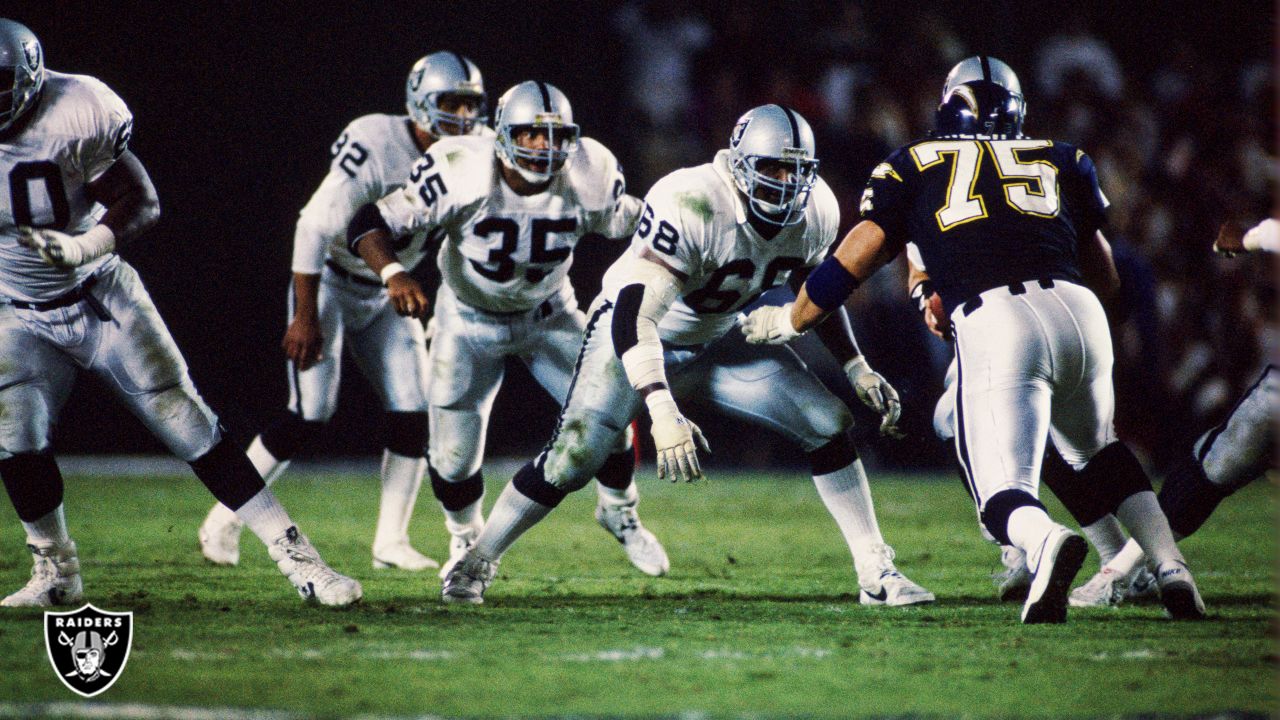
x: 986, y: 213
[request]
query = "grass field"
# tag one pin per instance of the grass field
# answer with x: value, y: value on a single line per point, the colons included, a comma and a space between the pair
x: 759, y: 616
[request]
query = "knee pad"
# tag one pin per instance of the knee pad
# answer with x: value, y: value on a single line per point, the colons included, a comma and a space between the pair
x: 456, y: 495
x: 836, y: 454
x: 1083, y: 500
x: 287, y: 432
x: 406, y: 433
x: 34, y: 484
x: 995, y: 514
x: 532, y: 483
x: 618, y: 470
x: 1188, y: 498
x: 1114, y: 474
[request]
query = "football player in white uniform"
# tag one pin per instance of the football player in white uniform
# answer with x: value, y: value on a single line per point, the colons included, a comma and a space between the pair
x: 72, y: 192
x: 509, y: 211
x: 335, y: 300
x: 711, y: 239
x: 1009, y: 229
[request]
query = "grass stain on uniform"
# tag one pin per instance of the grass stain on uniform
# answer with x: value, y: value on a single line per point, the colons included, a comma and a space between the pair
x: 696, y: 203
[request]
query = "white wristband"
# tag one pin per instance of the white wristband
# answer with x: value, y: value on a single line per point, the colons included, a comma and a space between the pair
x: 858, y: 364
x: 661, y: 403
x: 390, y: 269
x: 95, y: 242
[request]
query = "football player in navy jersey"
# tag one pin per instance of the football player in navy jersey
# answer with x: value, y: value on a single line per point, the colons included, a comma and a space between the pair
x: 1009, y: 229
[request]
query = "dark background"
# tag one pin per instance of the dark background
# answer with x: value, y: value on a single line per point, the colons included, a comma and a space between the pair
x: 235, y: 108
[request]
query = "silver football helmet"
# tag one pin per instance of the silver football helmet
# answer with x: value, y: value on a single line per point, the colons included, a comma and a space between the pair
x: 436, y: 76
x: 539, y: 107
x: 770, y: 138
x: 21, y: 71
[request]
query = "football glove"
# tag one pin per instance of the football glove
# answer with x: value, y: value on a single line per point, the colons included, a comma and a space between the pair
x: 67, y: 251
x: 769, y: 325
x: 677, y: 439
x: 876, y: 393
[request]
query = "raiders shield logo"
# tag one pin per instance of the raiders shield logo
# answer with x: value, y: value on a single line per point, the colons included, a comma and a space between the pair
x: 88, y: 647
x: 736, y: 136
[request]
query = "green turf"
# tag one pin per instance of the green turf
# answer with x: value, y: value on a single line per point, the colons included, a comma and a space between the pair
x: 758, y: 617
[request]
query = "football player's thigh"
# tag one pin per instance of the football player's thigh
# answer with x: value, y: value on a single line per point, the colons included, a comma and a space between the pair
x: 35, y: 379
x: 1242, y: 447
x: 138, y: 358
x: 1083, y: 420
x: 555, y: 351
x: 466, y: 362
x: 593, y: 422
x: 392, y: 353
x: 313, y: 393
x: 769, y: 386
x: 1003, y: 399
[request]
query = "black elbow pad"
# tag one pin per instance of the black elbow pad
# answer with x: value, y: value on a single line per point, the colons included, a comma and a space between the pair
x: 366, y: 219
x: 626, y: 313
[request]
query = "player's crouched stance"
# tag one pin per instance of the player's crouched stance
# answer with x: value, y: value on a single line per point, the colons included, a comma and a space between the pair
x: 71, y: 303
x: 711, y: 240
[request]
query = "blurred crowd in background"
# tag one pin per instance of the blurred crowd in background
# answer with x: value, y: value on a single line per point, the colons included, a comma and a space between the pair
x: 1182, y: 143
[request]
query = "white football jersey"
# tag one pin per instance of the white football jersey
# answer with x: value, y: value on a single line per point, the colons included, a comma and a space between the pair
x: 504, y: 252
x: 695, y: 219
x: 371, y: 158
x: 69, y: 139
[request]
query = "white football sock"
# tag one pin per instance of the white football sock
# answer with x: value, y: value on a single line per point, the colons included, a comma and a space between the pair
x: 469, y: 517
x: 617, y: 498
x: 1146, y: 522
x: 401, y: 479
x: 265, y: 516
x: 848, y: 499
x: 264, y: 462
x: 1106, y: 536
x: 50, y: 528
x: 1128, y: 559
x: 510, y: 517
x: 1027, y: 528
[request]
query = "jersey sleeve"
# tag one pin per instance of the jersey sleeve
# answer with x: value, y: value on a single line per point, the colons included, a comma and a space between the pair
x: 423, y: 201
x: 662, y: 229
x: 610, y: 211
x: 827, y: 225
x: 106, y: 128
x: 884, y: 201
x: 351, y: 182
x: 1087, y: 201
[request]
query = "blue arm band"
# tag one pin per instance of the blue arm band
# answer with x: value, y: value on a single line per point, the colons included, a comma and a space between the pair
x: 829, y: 285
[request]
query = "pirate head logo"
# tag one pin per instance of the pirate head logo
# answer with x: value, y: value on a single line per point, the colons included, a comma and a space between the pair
x: 736, y: 136
x: 31, y: 49
x: 88, y: 647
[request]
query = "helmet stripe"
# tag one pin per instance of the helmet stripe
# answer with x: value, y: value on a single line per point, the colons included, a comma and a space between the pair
x: 466, y: 71
x: 795, y: 129
x: 986, y: 67
x: 546, y: 96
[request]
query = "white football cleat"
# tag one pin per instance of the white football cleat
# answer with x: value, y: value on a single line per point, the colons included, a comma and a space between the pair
x: 643, y: 549
x: 1178, y: 591
x: 1015, y: 581
x: 1107, y: 588
x: 461, y: 538
x: 1059, y: 558
x: 55, y: 578
x: 1142, y: 585
x: 220, y: 536
x: 880, y: 583
x: 402, y: 556
x: 468, y: 579
x: 315, y: 581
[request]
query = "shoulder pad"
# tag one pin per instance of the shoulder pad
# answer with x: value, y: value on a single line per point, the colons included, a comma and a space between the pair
x: 91, y: 107
x: 591, y: 174
x: 468, y: 162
